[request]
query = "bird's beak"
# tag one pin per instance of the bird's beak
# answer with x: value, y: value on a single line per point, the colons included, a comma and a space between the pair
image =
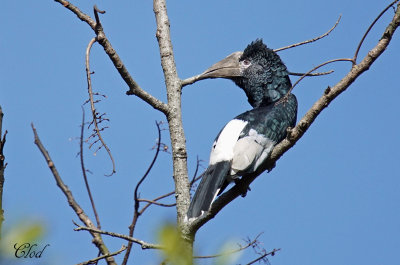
x: 226, y: 68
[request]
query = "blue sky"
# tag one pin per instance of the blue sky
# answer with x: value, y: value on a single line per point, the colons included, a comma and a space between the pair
x: 332, y: 199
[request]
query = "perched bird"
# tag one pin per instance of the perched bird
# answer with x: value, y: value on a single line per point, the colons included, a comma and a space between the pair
x: 245, y: 142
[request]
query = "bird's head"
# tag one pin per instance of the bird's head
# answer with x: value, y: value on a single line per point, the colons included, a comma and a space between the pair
x: 258, y: 70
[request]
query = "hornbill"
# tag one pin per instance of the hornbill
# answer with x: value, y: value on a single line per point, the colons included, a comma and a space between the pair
x: 244, y: 144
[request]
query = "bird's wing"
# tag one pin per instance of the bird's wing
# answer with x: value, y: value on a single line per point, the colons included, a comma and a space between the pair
x: 219, y: 167
x: 249, y: 152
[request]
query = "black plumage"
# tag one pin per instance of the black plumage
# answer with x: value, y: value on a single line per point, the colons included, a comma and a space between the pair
x: 266, y: 79
x: 245, y: 143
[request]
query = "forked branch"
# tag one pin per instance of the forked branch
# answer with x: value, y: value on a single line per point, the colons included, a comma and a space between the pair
x: 251, y: 243
x: 95, y: 117
x: 95, y: 260
x: 134, y: 88
x: 312, y: 40
x: 143, y: 244
x: 136, y: 212
x: 97, y: 240
x: 84, y: 171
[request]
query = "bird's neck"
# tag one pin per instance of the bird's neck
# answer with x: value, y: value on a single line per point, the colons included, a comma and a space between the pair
x: 268, y: 92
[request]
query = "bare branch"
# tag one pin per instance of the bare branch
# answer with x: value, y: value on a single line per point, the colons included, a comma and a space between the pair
x: 312, y: 40
x: 95, y: 260
x: 84, y: 171
x: 195, y: 178
x: 194, y: 79
x: 271, y: 253
x: 369, y: 29
x: 142, y: 243
x: 312, y: 74
x: 150, y: 202
x: 157, y: 203
x: 309, y: 72
x: 297, y: 132
x: 136, y: 213
x: 3, y: 166
x: 336, y: 90
x: 134, y: 88
x: 82, y: 16
x: 148, y: 169
x: 241, y: 248
x: 177, y: 135
x: 191, y: 80
x: 97, y: 240
x: 93, y: 108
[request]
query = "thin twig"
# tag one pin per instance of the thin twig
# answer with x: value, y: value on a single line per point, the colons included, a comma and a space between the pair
x: 136, y: 213
x: 154, y: 201
x: 312, y: 40
x: 194, y: 178
x: 84, y: 171
x: 271, y: 253
x: 97, y: 240
x: 143, y: 244
x: 194, y: 79
x: 157, y: 203
x: 3, y: 166
x: 134, y: 88
x: 136, y: 196
x: 95, y: 260
x: 241, y: 248
x: 369, y: 29
x: 312, y: 70
x: 312, y: 74
x: 150, y: 202
x: 93, y: 108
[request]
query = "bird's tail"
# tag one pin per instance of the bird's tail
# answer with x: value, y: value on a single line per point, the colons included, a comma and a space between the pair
x: 213, y: 179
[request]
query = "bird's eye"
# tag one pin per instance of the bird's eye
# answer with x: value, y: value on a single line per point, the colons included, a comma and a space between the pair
x: 246, y: 62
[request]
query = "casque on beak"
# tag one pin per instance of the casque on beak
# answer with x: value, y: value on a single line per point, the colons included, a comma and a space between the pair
x: 226, y: 68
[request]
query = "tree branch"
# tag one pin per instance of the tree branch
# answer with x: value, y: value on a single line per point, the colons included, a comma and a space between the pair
x: 241, y: 248
x: 136, y: 213
x: 157, y: 203
x: 193, y: 79
x: 369, y: 29
x: 3, y: 166
x: 95, y: 260
x: 312, y: 40
x: 134, y: 88
x: 93, y: 108
x: 173, y: 85
x: 97, y: 240
x: 84, y: 171
x: 142, y: 243
x: 311, y: 74
x: 297, y: 132
x: 271, y: 253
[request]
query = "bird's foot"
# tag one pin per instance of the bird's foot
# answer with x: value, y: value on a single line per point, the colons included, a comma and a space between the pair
x: 237, y: 182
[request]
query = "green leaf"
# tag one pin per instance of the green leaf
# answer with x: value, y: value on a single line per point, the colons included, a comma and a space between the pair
x: 19, y: 234
x: 175, y: 250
